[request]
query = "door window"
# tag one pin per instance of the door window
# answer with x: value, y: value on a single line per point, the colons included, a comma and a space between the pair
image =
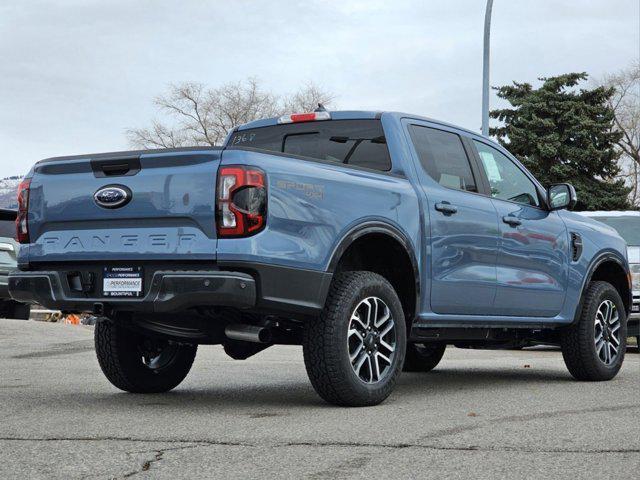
x: 507, y: 181
x: 443, y: 157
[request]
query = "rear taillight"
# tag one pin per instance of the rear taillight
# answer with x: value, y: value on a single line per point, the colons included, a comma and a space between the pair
x: 22, y: 224
x: 241, y: 201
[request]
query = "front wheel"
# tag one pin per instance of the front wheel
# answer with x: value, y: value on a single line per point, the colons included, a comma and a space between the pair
x: 137, y: 363
x: 354, y: 352
x: 593, y: 348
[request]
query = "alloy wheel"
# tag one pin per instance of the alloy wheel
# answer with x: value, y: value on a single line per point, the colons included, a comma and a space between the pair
x: 606, y: 332
x: 371, y: 340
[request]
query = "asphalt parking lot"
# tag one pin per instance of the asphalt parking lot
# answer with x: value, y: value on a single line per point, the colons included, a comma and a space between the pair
x: 480, y: 414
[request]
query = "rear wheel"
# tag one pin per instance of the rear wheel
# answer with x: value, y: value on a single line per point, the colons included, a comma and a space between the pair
x: 137, y: 363
x: 423, y: 357
x: 593, y: 348
x: 15, y: 310
x: 354, y: 352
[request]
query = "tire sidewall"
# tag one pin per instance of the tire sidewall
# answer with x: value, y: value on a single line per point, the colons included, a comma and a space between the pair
x: 14, y: 310
x: 383, y: 290
x: 21, y: 311
x: 589, y: 330
x: 432, y: 350
x: 120, y: 359
x: 423, y: 361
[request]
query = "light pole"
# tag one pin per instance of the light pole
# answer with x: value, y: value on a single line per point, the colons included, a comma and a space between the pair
x: 485, y: 69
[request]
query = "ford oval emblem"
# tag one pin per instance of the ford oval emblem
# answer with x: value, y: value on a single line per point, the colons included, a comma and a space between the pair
x: 112, y: 196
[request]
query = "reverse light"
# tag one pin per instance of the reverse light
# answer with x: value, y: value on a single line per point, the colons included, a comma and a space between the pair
x: 305, y: 117
x: 22, y: 223
x: 241, y: 201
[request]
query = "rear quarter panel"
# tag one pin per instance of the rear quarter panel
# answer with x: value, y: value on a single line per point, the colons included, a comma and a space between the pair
x: 312, y: 207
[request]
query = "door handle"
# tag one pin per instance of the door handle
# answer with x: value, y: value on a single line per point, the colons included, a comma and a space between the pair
x: 511, y: 220
x: 446, y: 208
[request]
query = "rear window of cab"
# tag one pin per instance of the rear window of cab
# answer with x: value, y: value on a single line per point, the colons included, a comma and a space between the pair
x: 358, y: 143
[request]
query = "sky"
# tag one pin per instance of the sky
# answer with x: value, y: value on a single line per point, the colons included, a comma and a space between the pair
x: 76, y: 74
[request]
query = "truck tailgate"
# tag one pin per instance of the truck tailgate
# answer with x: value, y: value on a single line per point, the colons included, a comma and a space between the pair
x: 170, y: 213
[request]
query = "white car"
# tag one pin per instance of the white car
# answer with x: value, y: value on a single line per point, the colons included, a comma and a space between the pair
x: 627, y: 223
x: 9, y: 308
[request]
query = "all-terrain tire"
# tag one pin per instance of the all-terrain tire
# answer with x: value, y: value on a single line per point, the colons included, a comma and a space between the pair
x: 15, y: 310
x: 578, y: 341
x: 120, y: 353
x: 423, y: 357
x: 325, y: 343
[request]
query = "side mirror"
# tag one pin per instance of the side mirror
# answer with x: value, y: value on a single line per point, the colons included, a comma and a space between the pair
x: 561, y: 196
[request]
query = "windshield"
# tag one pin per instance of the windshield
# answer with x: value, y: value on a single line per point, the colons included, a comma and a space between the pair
x: 628, y: 227
x: 353, y: 142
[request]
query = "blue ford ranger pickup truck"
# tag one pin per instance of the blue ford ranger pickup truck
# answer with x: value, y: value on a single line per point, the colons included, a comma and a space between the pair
x: 374, y: 240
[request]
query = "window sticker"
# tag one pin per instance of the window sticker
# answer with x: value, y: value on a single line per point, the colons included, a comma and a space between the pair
x: 491, y: 166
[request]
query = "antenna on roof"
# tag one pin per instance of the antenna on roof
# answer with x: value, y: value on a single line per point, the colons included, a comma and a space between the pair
x: 320, y: 108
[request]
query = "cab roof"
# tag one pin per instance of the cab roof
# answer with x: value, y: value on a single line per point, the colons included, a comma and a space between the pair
x: 359, y: 115
x: 335, y: 115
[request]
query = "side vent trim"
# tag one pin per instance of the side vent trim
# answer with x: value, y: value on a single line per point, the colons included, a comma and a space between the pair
x: 576, y: 246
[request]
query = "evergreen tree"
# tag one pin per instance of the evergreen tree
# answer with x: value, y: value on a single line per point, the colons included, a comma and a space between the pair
x: 563, y: 134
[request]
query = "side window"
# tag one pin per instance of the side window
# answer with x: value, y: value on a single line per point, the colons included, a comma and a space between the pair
x: 362, y: 147
x: 352, y: 142
x: 443, y: 157
x: 507, y: 181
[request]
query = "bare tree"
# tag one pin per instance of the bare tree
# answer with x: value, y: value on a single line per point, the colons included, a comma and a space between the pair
x: 626, y: 106
x: 630, y: 172
x: 157, y: 136
x: 204, y: 115
x: 307, y: 99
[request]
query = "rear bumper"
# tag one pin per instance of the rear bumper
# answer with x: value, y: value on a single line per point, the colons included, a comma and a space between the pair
x: 264, y: 288
x: 169, y: 291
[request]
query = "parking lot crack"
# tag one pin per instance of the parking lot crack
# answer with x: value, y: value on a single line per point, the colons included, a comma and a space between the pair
x: 158, y: 455
x: 460, y: 429
x: 468, y: 448
x: 184, y: 444
x: 187, y: 443
x: 560, y: 413
x: 146, y: 465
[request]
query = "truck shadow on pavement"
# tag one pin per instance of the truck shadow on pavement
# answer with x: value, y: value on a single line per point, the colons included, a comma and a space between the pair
x: 300, y: 393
